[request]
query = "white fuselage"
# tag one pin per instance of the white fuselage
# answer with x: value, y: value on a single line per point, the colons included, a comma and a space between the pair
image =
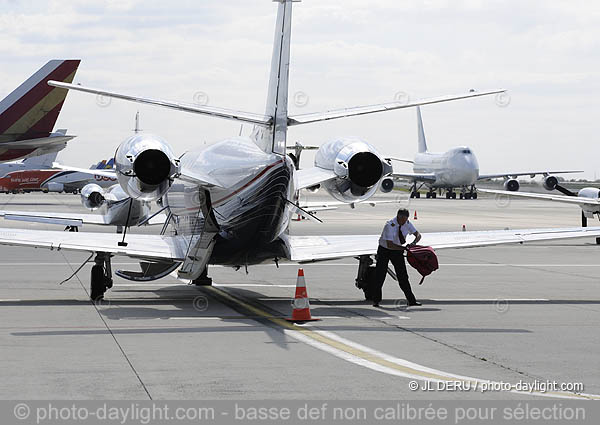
x: 457, y: 167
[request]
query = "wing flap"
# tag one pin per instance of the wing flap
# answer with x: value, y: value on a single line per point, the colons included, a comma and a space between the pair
x: 549, y: 197
x: 523, y: 173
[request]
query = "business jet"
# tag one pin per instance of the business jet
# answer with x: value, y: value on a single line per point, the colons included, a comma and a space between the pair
x: 456, y: 168
x: 231, y: 202
x: 28, y: 114
x: 111, y: 207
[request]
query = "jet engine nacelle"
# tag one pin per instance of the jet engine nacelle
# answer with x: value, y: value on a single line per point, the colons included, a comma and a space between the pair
x: 55, y: 187
x: 92, y: 196
x: 358, y: 167
x: 387, y: 185
x: 550, y: 182
x: 511, y: 185
x: 589, y: 192
x: 145, y: 166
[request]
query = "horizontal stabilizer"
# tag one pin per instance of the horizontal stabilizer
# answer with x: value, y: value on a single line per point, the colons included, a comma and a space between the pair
x: 371, y: 109
x: 256, y: 119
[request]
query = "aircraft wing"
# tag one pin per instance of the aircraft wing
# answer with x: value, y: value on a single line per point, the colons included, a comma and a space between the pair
x: 325, y: 206
x: 91, y: 171
x: 305, y: 249
x: 416, y: 176
x: 66, y: 219
x: 248, y: 117
x: 392, y: 158
x: 37, y: 143
x: 547, y: 196
x: 160, y: 247
x: 530, y: 173
x: 308, y: 177
x: 370, y: 109
x: 300, y: 249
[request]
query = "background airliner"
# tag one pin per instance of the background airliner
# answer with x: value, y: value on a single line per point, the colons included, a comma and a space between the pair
x: 28, y: 114
x: 456, y: 168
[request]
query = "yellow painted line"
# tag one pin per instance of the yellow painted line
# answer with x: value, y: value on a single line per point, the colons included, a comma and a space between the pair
x: 423, y: 373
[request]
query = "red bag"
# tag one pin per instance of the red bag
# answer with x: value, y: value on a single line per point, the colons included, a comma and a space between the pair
x: 423, y: 259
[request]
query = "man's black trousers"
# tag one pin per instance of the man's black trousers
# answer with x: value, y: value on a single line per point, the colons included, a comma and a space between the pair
x: 384, y: 256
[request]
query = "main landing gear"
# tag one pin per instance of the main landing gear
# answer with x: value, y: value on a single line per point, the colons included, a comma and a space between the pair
x: 101, y: 277
x: 468, y: 193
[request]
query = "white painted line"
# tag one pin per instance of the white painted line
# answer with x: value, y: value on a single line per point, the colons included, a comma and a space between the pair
x: 244, y: 285
x: 492, y: 299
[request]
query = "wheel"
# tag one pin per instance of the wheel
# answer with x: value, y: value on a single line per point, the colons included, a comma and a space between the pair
x: 418, y: 195
x: 462, y: 195
x: 412, y: 194
x: 428, y: 195
x: 597, y: 241
x: 474, y: 195
x: 433, y: 195
x: 467, y: 196
x: 447, y: 195
x: 97, y: 286
x: 453, y: 195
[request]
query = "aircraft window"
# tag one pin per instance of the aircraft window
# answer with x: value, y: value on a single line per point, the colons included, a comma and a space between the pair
x: 466, y: 151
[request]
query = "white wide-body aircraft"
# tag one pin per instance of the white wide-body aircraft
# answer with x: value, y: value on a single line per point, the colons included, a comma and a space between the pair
x: 456, y: 168
x: 231, y: 202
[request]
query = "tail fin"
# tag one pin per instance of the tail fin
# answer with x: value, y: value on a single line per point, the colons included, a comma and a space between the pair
x: 41, y: 161
x: 422, y: 142
x: 31, y: 110
x: 110, y: 164
x: 100, y: 165
x: 277, y: 100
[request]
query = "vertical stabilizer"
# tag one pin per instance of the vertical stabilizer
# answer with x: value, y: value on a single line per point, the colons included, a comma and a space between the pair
x: 31, y: 110
x: 277, y: 100
x: 422, y: 142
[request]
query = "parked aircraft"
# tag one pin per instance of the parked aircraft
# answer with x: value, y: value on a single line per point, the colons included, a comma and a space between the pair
x: 231, y: 202
x: 112, y: 207
x: 456, y: 168
x: 588, y: 198
x: 33, y: 175
x: 28, y: 114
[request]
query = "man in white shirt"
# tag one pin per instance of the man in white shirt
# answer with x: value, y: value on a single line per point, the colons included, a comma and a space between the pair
x: 391, y: 248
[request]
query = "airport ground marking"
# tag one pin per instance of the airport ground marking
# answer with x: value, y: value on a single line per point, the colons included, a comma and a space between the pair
x: 368, y: 357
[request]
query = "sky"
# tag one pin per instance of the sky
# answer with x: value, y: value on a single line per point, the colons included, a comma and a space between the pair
x: 344, y: 53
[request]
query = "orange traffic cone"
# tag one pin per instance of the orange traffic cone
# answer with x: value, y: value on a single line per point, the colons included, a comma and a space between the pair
x: 300, y: 304
x: 297, y: 219
x: 415, y: 217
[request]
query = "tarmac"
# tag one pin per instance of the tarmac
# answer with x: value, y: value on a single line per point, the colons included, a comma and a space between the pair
x: 507, y: 314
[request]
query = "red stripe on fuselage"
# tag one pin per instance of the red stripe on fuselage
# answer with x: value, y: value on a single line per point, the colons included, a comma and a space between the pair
x: 35, y: 95
x: 27, y: 179
x: 249, y: 183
